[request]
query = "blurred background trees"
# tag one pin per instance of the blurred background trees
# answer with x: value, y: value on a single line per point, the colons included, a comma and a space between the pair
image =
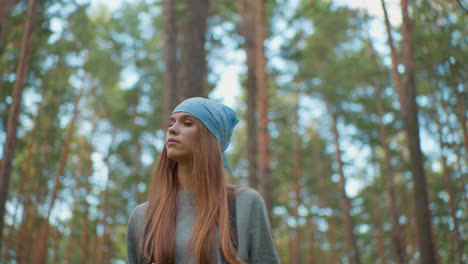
x: 353, y: 121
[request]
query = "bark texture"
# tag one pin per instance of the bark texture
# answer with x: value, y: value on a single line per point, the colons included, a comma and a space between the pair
x: 351, y: 243
x: 193, y: 68
x: 262, y: 103
x: 170, y: 60
x: 248, y: 29
x: 409, y: 109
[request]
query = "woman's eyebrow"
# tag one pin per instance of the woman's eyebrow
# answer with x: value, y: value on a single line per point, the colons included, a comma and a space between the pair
x: 182, y: 117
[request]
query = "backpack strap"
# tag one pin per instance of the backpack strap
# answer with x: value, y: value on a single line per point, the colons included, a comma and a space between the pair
x: 232, y: 207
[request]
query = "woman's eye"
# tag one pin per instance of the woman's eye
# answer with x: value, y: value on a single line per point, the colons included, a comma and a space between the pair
x: 187, y: 123
x: 170, y: 124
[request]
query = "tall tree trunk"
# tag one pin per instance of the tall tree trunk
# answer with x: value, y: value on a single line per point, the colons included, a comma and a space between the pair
x: 297, y: 185
x: 462, y: 118
x: 290, y: 238
x: 34, y: 195
x: 458, y: 241
x: 86, y: 167
x: 27, y: 228
x: 379, y: 230
x: 30, y: 190
x: 248, y: 29
x: 318, y: 168
x: 193, y: 68
x: 42, y: 247
x: 56, y: 246
x: 262, y: 103
x: 69, y: 245
x: 4, y: 8
x: 8, y: 241
x: 170, y: 60
x: 15, y: 108
x: 42, y: 232
x: 393, y: 52
x: 408, y: 210
x: 311, y: 257
x: 409, y: 110
x: 103, y: 222
x: 23, y: 248
x: 85, y: 159
x: 333, y: 240
x: 104, y: 250
x: 351, y: 243
x: 25, y: 172
x: 398, y: 236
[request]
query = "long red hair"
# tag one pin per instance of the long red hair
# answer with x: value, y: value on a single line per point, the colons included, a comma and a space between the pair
x: 212, y: 214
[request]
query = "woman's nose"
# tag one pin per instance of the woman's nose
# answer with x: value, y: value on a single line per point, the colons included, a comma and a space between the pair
x: 172, y: 129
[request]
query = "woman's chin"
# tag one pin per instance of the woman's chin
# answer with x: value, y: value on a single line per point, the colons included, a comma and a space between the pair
x: 176, y: 157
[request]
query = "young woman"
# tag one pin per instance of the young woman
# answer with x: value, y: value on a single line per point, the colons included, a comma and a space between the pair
x: 193, y: 215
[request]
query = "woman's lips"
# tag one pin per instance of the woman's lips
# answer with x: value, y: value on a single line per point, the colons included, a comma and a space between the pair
x: 171, y: 140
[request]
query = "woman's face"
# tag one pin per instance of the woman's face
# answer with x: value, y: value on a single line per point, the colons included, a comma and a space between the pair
x: 180, y: 136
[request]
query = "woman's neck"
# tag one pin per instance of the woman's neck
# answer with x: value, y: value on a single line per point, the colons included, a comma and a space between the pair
x: 183, y: 175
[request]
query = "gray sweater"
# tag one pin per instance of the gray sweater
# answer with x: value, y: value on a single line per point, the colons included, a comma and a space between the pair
x: 256, y: 245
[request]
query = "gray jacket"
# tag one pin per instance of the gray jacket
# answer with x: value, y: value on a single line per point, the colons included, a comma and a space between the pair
x: 256, y: 245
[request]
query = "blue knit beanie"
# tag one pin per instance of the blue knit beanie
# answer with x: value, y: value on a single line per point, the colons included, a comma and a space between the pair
x: 218, y: 118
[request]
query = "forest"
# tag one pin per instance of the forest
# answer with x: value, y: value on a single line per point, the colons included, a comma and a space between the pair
x: 353, y: 121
